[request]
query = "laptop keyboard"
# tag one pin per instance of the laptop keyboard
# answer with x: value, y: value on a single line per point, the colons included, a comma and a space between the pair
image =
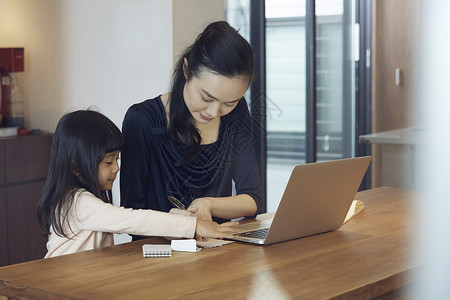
x: 256, y: 234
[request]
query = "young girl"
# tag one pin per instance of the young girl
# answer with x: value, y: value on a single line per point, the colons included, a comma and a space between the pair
x: 195, y: 141
x: 75, y: 208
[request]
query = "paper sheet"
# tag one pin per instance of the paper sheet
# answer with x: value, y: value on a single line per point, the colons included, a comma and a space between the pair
x: 356, y: 207
x: 211, y: 243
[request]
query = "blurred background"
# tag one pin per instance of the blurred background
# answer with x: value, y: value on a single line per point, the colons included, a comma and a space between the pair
x: 336, y: 79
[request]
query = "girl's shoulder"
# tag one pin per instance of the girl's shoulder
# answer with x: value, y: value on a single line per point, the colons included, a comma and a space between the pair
x: 81, y: 194
x: 85, y: 204
x: 83, y: 198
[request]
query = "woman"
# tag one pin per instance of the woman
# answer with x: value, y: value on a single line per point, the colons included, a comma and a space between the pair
x: 194, y: 141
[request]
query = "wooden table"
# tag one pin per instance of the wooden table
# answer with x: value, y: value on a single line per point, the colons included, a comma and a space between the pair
x: 368, y: 257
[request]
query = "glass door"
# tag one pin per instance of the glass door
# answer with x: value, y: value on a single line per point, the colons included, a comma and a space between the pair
x: 309, y: 82
x: 286, y: 79
x: 335, y: 79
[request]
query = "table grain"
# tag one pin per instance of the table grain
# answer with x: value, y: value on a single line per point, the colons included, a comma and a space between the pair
x: 368, y: 257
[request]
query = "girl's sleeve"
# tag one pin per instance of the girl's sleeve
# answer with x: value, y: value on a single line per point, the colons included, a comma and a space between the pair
x: 246, y: 171
x: 135, y: 160
x: 91, y: 213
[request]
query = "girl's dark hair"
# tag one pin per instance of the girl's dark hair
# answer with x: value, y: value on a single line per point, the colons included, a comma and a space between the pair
x: 81, y: 140
x: 219, y: 49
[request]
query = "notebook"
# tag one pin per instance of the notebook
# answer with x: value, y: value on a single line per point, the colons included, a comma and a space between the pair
x: 149, y: 250
x: 316, y: 199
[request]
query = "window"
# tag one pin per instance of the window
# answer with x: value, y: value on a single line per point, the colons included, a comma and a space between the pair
x: 310, y: 96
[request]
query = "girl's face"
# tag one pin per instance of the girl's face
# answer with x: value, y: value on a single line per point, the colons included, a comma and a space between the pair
x: 107, y: 171
x: 210, y: 95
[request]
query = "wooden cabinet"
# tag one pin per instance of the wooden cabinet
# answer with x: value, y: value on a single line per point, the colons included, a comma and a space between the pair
x: 24, y: 164
x: 3, y: 240
x: 395, y: 42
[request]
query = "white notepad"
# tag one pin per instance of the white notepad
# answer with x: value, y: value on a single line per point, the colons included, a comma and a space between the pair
x: 149, y: 250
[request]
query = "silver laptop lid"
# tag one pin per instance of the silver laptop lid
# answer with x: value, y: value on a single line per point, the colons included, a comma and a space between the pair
x: 317, y: 198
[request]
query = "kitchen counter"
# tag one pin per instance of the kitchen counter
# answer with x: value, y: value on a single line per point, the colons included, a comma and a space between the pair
x: 398, y: 153
x: 404, y: 136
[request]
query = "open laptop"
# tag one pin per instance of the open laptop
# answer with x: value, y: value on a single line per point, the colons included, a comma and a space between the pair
x: 316, y: 199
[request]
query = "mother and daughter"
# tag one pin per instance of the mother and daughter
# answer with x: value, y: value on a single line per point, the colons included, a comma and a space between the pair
x: 191, y: 143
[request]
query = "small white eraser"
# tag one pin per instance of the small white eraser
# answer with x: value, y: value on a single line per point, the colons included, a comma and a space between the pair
x: 185, y: 245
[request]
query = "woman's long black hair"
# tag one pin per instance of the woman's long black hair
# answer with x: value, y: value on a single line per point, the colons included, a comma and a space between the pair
x: 219, y: 49
x: 81, y: 140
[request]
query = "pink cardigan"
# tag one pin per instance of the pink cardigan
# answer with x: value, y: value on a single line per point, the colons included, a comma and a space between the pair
x: 93, y: 223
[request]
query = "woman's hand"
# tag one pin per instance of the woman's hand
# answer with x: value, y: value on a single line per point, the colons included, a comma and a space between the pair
x: 201, y: 208
x: 232, y: 207
x: 208, y: 229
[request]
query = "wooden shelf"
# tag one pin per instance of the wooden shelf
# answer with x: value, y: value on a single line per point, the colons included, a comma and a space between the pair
x: 24, y: 162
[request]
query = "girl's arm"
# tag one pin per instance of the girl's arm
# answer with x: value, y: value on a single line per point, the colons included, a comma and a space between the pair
x: 92, y: 214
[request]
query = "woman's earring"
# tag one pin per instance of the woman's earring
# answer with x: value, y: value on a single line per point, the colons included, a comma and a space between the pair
x: 185, y: 68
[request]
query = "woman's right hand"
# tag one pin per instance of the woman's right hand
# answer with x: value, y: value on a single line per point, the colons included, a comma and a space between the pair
x: 209, y: 229
x: 201, y: 208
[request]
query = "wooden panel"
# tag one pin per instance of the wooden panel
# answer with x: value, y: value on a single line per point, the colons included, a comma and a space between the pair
x: 3, y: 232
x: 27, y: 158
x: 394, y: 43
x: 395, y: 32
x: 25, y: 240
x: 2, y: 162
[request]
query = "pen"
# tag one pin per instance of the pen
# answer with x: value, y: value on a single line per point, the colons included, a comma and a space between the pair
x: 176, y: 202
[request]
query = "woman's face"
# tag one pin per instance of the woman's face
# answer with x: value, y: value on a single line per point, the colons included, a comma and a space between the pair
x: 209, y: 95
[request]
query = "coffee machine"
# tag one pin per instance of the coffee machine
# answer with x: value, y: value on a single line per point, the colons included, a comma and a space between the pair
x: 11, y: 101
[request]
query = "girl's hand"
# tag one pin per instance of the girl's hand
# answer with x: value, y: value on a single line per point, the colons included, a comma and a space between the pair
x: 208, y: 229
x: 177, y: 211
x: 201, y: 208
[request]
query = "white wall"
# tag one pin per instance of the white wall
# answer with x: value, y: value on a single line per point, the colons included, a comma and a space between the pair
x: 116, y: 53
x: 36, y: 26
x: 190, y: 17
x: 108, y: 54
x: 78, y: 53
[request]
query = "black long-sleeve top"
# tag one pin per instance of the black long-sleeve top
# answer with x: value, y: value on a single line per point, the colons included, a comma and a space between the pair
x: 149, y: 170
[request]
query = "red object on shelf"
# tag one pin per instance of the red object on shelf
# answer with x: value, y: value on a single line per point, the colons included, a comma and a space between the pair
x: 12, y: 60
x: 23, y: 131
x: 5, y: 94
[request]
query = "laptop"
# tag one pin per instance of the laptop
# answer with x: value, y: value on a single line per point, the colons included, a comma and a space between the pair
x: 316, y: 200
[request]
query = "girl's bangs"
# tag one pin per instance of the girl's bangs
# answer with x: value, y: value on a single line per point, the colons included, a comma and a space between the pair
x: 114, y: 141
